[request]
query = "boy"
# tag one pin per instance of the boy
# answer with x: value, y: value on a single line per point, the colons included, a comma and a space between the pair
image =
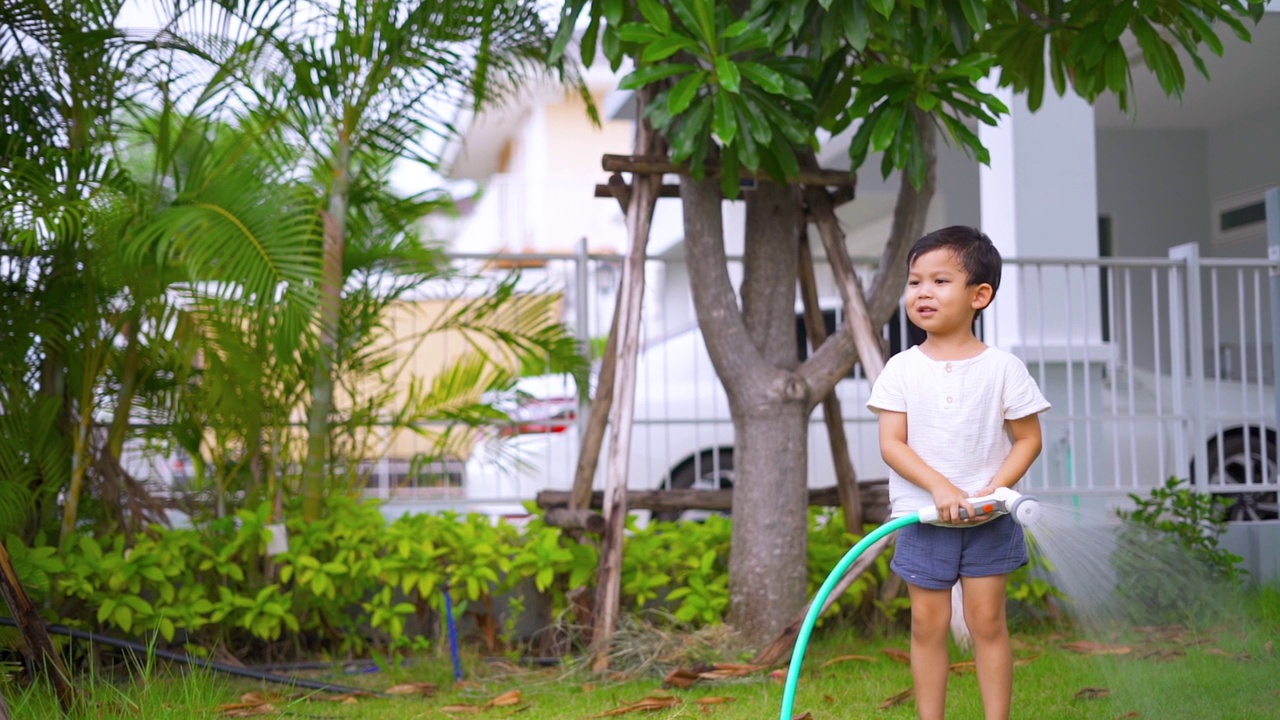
x: 957, y: 420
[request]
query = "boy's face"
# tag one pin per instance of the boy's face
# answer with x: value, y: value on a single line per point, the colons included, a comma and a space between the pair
x: 940, y: 299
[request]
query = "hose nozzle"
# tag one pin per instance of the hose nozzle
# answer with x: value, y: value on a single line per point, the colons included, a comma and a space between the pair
x: 1025, y: 509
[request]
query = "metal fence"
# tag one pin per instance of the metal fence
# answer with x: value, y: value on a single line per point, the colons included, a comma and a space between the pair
x: 1156, y: 367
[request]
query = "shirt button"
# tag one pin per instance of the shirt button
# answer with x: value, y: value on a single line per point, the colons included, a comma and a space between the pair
x: 948, y: 367
x: 948, y: 398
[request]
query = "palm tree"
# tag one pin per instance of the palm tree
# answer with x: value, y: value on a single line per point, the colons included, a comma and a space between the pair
x: 371, y: 79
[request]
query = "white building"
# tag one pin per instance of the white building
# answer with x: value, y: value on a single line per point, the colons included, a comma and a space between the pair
x: 1137, y: 286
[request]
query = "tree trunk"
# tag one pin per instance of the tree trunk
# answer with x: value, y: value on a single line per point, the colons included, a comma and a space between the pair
x: 755, y: 356
x: 44, y: 658
x: 322, y: 381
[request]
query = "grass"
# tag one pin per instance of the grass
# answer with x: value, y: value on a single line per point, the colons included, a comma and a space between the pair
x: 1227, y: 672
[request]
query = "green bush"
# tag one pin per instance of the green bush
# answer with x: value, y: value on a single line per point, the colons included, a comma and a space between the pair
x: 353, y: 583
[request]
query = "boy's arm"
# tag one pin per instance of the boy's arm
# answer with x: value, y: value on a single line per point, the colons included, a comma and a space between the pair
x: 1026, y: 447
x: 948, y: 498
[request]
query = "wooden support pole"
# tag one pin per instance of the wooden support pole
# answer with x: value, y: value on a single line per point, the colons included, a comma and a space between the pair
x: 832, y: 415
x: 866, y: 336
x: 43, y: 656
x: 873, y: 496
x: 657, y: 165
x: 642, y: 201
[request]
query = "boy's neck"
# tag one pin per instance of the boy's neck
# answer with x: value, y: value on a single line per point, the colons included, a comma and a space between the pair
x: 958, y: 346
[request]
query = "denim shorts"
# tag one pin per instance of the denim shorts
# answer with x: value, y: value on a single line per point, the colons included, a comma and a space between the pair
x: 935, y: 557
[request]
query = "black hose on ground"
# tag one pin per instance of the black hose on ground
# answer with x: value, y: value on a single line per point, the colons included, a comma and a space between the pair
x: 197, y: 662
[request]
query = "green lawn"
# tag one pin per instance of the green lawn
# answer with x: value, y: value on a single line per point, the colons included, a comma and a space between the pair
x: 1228, y: 673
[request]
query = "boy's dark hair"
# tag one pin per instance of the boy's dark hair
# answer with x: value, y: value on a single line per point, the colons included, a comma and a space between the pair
x: 977, y: 254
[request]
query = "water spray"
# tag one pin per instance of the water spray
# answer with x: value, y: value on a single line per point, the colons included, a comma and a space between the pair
x: 1024, y: 510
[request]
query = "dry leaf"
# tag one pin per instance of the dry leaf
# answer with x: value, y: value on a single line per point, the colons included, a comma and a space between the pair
x: 680, y: 678
x: 1020, y: 662
x: 778, y: 676
x: 847, y: 658
x: 588, y: 687
x: 1087, y: 647
x: 720, y: 672
x: 897, y: 655
x: 506, y: 699
x: 653, y: 702
x: 961, y: 668
x: 830, y: 700
x: 258, y: 698
x: 898, y: 699
x: 242, y: 710
x: 460, y: 709
x: 1268, y: 647
x: 805, y: 716
x: 714, y: 700
x: 412, y: 688
x: 1091, y: 693
x: 1130, y: 714
x: 1163, y: 654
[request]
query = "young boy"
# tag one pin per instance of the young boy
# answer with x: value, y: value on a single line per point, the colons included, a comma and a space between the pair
x: 957, y: 420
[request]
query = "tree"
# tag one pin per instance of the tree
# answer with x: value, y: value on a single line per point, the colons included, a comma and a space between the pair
x: 370, y: 80
x: 746, y: 87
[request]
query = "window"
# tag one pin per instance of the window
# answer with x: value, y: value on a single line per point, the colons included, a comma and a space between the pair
x: 1240, y: 217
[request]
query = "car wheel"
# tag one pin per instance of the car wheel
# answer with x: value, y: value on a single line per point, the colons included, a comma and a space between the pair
x: 712, y: 470
x: 1240, y: 463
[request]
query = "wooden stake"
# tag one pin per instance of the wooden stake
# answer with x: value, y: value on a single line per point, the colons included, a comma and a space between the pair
x: 44, y: 658
x: 832, y: 415
x: 643, y: 198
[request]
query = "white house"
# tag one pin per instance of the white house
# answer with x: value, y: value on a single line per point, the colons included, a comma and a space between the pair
x: 1138, y: 287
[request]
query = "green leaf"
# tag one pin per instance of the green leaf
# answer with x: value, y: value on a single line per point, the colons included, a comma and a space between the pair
x: 644, y: 76
x: 857, y: 27
x: 727, y: 73
x: 735, y: 29
x: 726, y: 123
x: 685, y: 91
x: 767, y: 78
x: 665, y: 47
x: 613, y: 11
x: 638, y: 33
x: 886, y: 127
x: 1117, y: 68
x: 975, y: 13
x: 656, y: 15
x: 884, y: 7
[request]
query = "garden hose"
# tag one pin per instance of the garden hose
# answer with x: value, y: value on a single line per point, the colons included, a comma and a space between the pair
x: 1024, y: 509
x: 250, y: 673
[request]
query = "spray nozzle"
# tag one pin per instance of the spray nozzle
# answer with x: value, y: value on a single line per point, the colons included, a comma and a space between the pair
x: 1025, y: 509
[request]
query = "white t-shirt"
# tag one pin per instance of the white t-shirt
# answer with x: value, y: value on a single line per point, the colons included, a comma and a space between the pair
x: 956, y: 412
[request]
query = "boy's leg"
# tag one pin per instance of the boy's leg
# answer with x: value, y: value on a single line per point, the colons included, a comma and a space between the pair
x: 930, y: 621
x: 984, y: 612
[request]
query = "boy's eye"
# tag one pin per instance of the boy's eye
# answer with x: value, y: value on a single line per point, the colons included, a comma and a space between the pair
x: 912, y: 283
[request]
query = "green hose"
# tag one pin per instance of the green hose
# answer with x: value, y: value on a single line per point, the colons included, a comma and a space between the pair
x: 815, y: 608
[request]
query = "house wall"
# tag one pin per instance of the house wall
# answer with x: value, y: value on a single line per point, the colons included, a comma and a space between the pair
x: 1243, y: 154
x: 1152, y: 185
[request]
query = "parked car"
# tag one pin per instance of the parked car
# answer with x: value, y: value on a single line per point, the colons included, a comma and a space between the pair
x: 1112, y: 444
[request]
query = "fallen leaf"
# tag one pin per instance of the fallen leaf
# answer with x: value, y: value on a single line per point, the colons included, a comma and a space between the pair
x: 1087, y: 647
x: 830, y: 700
x: 242, y: 710
x: 412, y: 688
x: 847, y: 658
x: 804, y: 716
x: 897, y: 655
x: 1269, y: 647
x: 1020, y: 662
x: 653, y: 702
x: 1091, y: 693
x: 258, y: 698
x: 961, y: 668
x: 680, y: 678
x: 588, y: 687
x: 1130, y: 714
x: 714, y: 700
x: 506, y: 699
x: 778, y: 676
x: 1164, y: 654
x: 460, y: 709
x: 898, y: 699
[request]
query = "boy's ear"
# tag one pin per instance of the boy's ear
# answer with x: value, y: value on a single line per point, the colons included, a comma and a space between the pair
x: 982, y: 296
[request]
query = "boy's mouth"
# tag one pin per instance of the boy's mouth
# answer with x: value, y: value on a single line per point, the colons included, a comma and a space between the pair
x: 926, y: 311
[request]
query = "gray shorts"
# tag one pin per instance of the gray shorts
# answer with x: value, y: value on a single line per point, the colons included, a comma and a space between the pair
x: 934, y: 557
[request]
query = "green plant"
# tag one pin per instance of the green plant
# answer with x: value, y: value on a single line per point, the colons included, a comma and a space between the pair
x: 1169, y: 556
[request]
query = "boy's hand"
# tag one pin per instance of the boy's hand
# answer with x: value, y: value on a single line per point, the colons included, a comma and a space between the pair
x: 950, y: 500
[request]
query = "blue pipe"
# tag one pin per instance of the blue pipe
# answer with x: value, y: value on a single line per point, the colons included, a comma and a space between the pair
x: 815, y: 608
